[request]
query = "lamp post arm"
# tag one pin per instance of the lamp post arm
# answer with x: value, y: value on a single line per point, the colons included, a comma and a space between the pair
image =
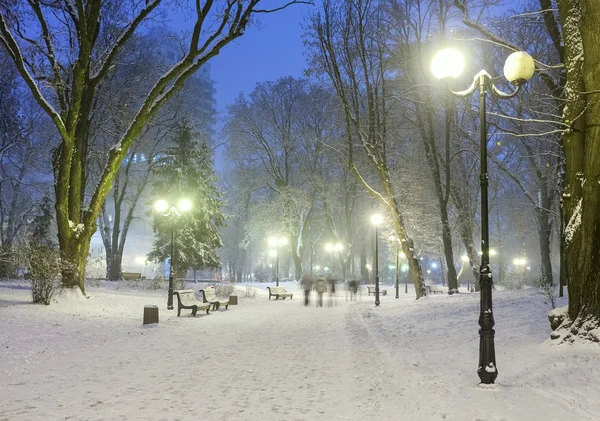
x: 502, y: 95
x: 483, y: 75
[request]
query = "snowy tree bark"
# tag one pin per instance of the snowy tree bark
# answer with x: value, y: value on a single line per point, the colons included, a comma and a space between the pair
x: 581, y: 206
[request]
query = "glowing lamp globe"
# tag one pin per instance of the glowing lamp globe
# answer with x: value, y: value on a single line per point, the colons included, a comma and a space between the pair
x: 184, y: 205
x: 519, y: 68
x: 376, y: 219
x: 161, y: 205
x: 447, y: 63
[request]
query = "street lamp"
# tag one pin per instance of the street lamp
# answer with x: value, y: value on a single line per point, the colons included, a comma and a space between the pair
x: 376, y: 219
x: 405, y: 270
x: 173, y: 210
x: 518, y: 69
x: 277, y: 242
x: 333, y: 248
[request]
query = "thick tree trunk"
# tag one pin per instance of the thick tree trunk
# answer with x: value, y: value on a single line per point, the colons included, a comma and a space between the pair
x: 544, y: 233
x: 580, y: 19
x: 448, y: 252
x: 74, y: 255
x: 115, y: 266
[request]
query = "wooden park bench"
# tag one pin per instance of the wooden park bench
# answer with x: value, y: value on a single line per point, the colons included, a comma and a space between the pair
x: 371, y: 290
x: 127, y: 276
x: 209, y: 296
x: 279, y: 292
x: 435, y: 289
x: 187, y: 299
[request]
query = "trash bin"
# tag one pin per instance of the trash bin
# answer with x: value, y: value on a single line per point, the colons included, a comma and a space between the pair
x: 150, y: 314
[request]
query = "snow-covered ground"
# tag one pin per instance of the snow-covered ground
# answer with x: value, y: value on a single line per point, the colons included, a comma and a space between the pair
x: 92, y: 359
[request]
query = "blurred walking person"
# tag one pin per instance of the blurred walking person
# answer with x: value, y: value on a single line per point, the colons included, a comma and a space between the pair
x: 352, y: 289
x: 332, y: 299
x: 320, y: 287
x: 307, y: 284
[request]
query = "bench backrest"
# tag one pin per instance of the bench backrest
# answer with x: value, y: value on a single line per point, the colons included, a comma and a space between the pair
x: 209, y: 294
x: 277, y: 290
x: 187, y: 297
x: 370, y: 288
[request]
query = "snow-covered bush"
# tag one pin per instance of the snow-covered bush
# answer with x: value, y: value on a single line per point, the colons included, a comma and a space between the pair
x: 263, y: 273
x: 44, y: 268
x: 250, y: 292
x: 224, y: 290
x: 157, y: 282
x: 550, y: 292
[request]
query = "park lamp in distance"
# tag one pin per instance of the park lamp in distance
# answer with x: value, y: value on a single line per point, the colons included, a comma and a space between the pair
x: 183, y: 205
x: 334, y: 247
x: 449, y: 63
x: 376, y: 219
x: 277, y: 241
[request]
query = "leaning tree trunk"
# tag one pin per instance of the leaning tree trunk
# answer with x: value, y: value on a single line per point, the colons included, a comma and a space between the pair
x: 581, y: 207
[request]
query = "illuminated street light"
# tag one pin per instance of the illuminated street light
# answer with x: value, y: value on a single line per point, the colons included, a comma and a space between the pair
x: 161, y: 206
x: 376, y: 220
x: 518, y: 69
x: 276, y: 242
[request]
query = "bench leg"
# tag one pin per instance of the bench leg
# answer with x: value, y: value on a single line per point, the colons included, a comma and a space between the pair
x: 194, y: 311
x: 178, y: 311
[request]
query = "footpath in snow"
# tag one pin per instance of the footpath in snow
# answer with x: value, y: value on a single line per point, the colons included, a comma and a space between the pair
x: 92, y: 359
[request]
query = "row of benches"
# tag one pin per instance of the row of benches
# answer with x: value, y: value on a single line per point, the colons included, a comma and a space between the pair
x: 186, y: 299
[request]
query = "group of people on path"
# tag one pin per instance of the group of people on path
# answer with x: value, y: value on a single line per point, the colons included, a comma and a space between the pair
x: 320, y: 286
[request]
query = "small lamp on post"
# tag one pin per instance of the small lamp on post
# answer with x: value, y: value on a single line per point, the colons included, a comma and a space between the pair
x: 277, y: 242
x: 172, y: 210
x: 518, y: 69
x: 405, y: 270
x: 376, y: 220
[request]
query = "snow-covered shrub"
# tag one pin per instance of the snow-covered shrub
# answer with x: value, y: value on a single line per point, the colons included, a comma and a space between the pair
x: 550, y: 292
x: 44, y: 268
x: 157, y: 282
x: 263, y: 273
x: 224, y: 290
x: 250, y: 292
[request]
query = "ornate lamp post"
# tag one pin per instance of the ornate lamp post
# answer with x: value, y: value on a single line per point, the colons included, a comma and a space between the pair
x: 405, y: 270
x: 277, y: 242
x: 518, y: 69
x: 376, y: 220
x: 172, y: 210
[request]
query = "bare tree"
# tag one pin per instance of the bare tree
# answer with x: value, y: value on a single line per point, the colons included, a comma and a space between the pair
x: 349, y: 46
x: 65, y: 56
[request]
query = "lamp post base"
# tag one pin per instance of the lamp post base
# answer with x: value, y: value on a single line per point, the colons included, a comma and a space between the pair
x: 486, y: 370
x: 170, y: 296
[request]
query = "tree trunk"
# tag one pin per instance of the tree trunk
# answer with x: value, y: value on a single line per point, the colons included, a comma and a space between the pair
x: 115, y: 266
x: 544, y: 233
x: 580, y: 20
x: 74, y: 254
